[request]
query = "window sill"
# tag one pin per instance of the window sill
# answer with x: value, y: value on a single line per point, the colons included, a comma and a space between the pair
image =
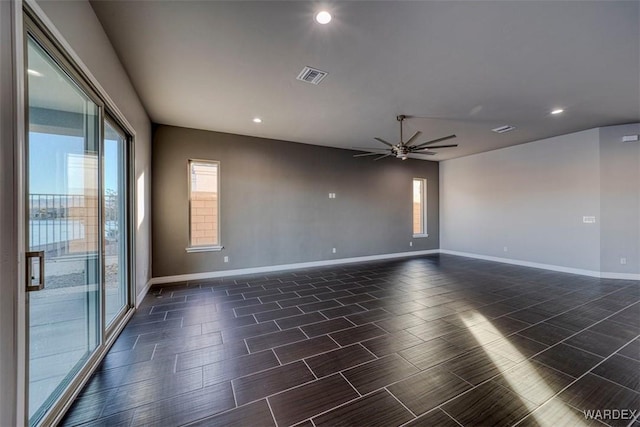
x: 420, y: 236
x: 204, y: 249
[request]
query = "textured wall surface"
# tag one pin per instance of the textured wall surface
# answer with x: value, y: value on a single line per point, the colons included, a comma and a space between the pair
x: 532, y: 198
x: 529, y: 199
x: 274, y: 202
x: 620, y: 199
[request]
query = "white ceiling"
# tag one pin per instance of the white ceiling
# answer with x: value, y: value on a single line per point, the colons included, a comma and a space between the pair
x: 467, y: 66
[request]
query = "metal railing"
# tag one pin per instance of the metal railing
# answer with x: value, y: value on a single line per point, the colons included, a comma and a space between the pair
x: 56, y: 221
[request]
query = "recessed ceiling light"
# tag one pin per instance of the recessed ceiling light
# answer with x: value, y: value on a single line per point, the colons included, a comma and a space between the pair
x: 34, y: 73
x: 323, y: 17
x: 257, y: 120
x: 557, y: 111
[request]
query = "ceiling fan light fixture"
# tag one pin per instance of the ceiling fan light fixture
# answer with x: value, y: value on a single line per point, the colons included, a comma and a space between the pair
x: 402, y: 149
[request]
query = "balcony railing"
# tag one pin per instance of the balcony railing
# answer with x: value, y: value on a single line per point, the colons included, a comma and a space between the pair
x: 63, y: 224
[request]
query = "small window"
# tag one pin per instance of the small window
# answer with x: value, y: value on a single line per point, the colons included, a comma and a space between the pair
x: 419, y: 207
x: 204, y: 201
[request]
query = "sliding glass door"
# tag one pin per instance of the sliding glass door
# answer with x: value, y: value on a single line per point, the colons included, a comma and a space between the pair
x: 77, y: 219
x: 63, y: 228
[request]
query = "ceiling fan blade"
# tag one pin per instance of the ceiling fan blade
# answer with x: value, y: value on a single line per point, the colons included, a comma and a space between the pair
x: 435, y: 146
x: 424, y: 144
x: 383, y: 141
x: 415, y: 135
x: 366, y: 154
x: 382, y: 157
x: 369, y: 149
x: 421, y: 156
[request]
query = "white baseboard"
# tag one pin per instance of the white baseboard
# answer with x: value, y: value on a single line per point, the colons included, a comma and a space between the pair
x: 620, y: 276
x: 143, y: 292
x: 281, y: 267
x: 326, y: 263
x: 582, y: 272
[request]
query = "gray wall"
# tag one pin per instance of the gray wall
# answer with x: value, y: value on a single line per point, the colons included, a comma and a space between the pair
x: 530, y: 198
x: 8, y: 246
x: 80, y: 27
x: 620, y: 199
x: 274, y: 204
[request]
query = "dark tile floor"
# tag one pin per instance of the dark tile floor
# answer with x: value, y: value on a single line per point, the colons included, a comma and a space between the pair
x: 435, y: 340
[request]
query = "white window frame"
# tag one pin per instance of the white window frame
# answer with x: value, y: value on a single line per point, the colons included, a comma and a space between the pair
x: 204, y: 248
x: 423, y: 208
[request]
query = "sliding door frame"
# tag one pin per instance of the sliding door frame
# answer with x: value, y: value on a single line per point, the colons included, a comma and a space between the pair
x: 129, y: 199
x: 30, y: 19
x: 33, y: 31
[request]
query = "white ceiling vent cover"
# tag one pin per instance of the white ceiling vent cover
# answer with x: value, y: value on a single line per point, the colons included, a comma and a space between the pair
x: 503, y: 129
x: 311, y: 75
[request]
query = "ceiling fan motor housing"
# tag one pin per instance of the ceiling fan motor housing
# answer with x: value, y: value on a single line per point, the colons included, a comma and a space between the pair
x: 401, y: 151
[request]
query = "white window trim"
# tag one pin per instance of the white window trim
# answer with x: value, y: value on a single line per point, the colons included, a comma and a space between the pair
x: 204, y: 248
x: 192, y: 249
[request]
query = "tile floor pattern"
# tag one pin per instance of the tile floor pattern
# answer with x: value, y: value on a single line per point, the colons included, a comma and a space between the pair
x: 431, y: 341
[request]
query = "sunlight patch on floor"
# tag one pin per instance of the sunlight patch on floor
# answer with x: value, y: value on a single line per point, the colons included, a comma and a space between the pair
x: 514, y: 376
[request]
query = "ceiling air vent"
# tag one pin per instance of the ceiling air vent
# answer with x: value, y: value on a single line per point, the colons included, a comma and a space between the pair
x: 503, y: 129
x: 311, y: 75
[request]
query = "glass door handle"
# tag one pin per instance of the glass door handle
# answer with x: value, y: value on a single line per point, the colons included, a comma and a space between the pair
x: 35, y: 271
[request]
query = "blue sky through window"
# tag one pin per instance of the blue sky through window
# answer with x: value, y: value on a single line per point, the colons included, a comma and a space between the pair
x: 49, y: 157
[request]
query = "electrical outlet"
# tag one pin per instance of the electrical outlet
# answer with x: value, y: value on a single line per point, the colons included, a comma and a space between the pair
x: 589, y: 219
x: 226, y: 259
x: 623, y: 261
x: 506, y: 249
x: 410, y: 243
x: 333, y: 250
x: 332, y: 195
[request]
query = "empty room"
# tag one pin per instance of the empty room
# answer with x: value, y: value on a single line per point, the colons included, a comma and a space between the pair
x: 319, y: 213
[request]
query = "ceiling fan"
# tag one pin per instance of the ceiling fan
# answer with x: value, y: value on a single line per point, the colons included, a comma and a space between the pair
x: 403, y: 150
